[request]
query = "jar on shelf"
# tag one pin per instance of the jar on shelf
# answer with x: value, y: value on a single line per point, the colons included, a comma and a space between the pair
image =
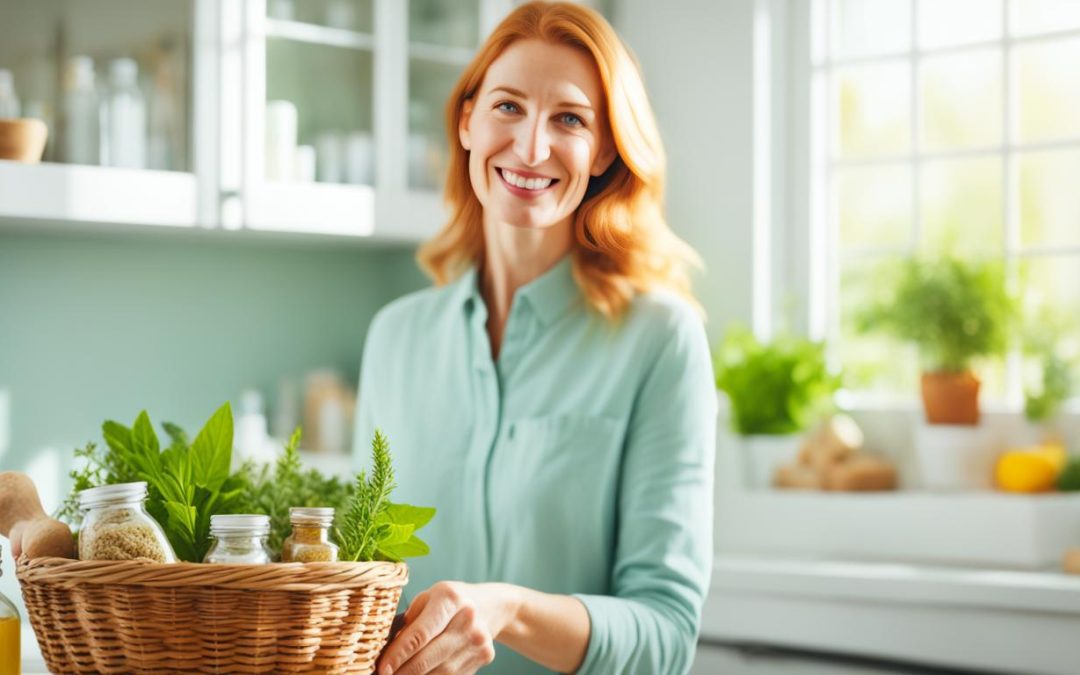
x: 310, y: 538
x: 116, y: 525
x: 239, y: 540
x: 10, y: 627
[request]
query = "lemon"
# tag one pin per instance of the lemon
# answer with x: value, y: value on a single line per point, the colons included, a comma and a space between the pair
x: 1029, y: 470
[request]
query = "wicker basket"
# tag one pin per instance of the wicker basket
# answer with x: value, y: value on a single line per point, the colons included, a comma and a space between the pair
x: 143, y: 617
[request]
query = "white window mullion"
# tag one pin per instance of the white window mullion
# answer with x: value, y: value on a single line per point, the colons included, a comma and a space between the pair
x: 916, y: 128
x: 1014, y: 386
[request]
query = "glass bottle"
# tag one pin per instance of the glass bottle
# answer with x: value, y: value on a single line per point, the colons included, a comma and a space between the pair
x: 239, y: 540
x: 116, y: 525
x: 82, y: 125
x: 10, y: 626
x: 310, y: 537
x: 123, y: 116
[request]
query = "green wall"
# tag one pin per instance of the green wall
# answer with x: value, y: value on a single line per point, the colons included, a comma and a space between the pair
x: 101, y: 326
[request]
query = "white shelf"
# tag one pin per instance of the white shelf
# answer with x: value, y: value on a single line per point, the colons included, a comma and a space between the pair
x: 996, y: 529
x: 312, y: 208
x: 319, y: 35
x: 62, y: 192
x: 454, y: 56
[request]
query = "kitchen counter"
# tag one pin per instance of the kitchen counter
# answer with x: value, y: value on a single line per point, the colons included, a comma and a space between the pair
x: 990, y: 620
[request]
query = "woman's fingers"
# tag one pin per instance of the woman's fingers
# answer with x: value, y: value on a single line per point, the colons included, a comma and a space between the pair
x: 435, y: 608
x: 463, y: 648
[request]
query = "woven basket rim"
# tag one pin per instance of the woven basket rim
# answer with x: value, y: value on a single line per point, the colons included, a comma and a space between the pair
x: 302, y: 577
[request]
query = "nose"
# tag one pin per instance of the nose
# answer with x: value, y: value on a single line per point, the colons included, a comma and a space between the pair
x: 531, y: 143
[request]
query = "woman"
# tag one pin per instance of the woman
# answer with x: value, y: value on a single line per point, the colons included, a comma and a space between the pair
x: 552, y: 396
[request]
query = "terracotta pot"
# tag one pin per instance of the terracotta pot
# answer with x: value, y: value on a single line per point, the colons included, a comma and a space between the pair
x: 951, y: 398
x: 23, y: 139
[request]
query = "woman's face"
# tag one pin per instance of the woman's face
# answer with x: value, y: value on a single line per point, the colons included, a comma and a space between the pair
x: 536, y: 131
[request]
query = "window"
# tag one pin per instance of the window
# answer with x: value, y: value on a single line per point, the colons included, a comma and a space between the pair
x: 937, y: 125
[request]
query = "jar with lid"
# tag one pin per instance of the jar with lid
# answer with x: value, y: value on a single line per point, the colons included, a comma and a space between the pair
x: 116, y: 525
x: 310, y: 537
x: 239, y: 540
x: 10, y: 627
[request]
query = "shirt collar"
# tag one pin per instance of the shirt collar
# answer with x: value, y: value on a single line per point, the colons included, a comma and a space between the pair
x: 549, y: 296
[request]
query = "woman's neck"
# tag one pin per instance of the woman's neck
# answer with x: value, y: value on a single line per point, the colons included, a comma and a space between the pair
x: 513, y: 257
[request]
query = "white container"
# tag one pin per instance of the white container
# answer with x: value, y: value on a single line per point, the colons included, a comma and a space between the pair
x: 304, y: 164
x: 762, y: 454
x: 9, y: 101
x: 281, y: 124
x: 330, y: 156
x: 956, y: 457
x: 80, y: 140
x: 123, y: 115
x: 360, y: 158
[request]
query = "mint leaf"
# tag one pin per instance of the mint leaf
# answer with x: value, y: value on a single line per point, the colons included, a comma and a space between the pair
x: 211, y: 453
x: 417, y: 516
x: 413, y: 548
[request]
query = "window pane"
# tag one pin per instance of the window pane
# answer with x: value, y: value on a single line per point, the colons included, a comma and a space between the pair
x: 1053, y: 283
x: 1042, y: 16
x: 873, y: 206
x: 961, y: 101
x: 869, y: 27
x: 944, y: 23
x: 1048, y: 80
x: 961, y: 207
x: 872, y: 109
x: 1049, y: 200
x: 871, y: 362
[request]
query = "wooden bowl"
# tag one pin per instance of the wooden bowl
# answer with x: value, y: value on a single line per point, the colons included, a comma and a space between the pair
x: 23, y: 139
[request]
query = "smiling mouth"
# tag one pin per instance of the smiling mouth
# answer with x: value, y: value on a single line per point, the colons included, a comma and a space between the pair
x: 523, y: 183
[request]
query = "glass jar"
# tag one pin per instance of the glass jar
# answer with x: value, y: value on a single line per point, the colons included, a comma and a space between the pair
x: 116, y: 525
x: 10, y: 627
x: 239, y: 540
x: 310, y: 537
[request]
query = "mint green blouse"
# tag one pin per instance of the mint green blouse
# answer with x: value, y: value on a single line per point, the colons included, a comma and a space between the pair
x: 579, y: 462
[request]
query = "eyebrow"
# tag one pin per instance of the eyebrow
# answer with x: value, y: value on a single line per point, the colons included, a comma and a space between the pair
x: 521, y: 94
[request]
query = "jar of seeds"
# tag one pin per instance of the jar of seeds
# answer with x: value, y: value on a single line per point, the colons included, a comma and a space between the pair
x: 310, y: 538
x: 239, y: 540
x: 116, y: 525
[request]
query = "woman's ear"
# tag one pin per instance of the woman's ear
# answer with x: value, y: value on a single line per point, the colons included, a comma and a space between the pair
x: 463, y: 124
x: 604, y: 158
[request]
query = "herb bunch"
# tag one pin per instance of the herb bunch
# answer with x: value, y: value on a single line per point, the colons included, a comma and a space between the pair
x: 373, y: 527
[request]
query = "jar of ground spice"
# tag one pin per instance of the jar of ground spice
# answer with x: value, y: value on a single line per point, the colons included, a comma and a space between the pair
x: 239, y: 540
x: 310, y: 538
x: 116, y: 525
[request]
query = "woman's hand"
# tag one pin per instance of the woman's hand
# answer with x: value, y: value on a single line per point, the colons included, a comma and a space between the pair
x: 450, y: 628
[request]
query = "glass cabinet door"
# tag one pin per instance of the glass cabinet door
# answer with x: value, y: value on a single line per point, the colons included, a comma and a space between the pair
x: 442, y: 38
x: 112, y: 79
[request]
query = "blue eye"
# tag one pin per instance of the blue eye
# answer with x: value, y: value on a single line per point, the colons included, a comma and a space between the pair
x: 506, y: 106
x: 572, y: 120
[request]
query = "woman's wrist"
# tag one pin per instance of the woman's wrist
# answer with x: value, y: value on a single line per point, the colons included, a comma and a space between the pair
x: 512, y: 600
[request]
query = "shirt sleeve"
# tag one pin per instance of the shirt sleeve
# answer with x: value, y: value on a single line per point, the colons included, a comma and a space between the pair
x: 663, y: 555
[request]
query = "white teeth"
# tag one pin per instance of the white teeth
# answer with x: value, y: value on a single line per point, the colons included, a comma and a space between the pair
x: 526, y: 183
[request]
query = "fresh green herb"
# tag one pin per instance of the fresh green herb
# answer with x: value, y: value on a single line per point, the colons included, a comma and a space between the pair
x: 374, y: 528
x: 774, y: 388
x: 274, y: 491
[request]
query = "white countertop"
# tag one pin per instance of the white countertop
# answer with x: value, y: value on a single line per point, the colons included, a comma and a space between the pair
x: 997, y: 621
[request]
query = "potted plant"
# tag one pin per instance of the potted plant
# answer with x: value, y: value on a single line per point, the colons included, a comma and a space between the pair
x: 1050, y: 378
x: 775, y: 389
x: 954, y: 311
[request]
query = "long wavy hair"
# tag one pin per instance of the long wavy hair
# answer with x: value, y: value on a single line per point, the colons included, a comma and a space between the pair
x: 623, y: 243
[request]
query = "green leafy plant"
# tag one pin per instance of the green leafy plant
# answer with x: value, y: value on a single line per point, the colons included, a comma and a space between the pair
x: 953, y: 310
x: 374, y: 528
x: 273, y: 490
x: 1044, y: 338
x: 186, y: 484
x: 775, y: 388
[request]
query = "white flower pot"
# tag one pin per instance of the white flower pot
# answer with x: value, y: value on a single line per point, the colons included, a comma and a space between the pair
x: 763, y: 453
x: 955, y: 457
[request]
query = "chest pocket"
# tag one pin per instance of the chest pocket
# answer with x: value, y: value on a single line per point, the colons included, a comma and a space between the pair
x: 554, y: 487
